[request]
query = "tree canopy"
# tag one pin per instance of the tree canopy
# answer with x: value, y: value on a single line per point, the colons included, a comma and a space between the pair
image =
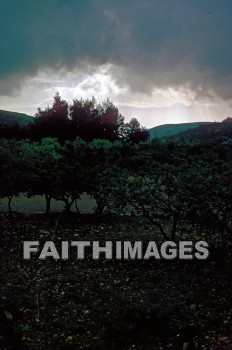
x: 85, y: 118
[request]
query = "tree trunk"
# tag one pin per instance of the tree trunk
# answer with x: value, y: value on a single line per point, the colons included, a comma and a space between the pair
x: 48, y: 203
x: 68, y: 205
x: 77, y: 209
x: 9, y: 204
x: 100, y: 208
x: 147, y: 215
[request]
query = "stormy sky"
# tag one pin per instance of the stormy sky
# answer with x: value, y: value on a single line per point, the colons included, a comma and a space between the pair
x: 161, y: 61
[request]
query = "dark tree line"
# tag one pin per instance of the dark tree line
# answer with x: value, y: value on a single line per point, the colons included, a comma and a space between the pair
x: 83, y: 118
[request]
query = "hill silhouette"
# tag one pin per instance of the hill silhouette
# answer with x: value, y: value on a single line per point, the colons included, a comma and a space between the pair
x: 167, y: 130
x: 8, y: 118
x: 220, y: 131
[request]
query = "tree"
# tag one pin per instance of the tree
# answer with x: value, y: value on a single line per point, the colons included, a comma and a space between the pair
x: 12, y: 170
x: 112, y: 120
x: 213, y: 198
x: 72, y: 176
x: 96, y: 121
x: 134, y: 132
x: 53, y: 121
x: 101, y: 169
x: 43, y: 175
x: 83, y: 111
x: 161, y: 193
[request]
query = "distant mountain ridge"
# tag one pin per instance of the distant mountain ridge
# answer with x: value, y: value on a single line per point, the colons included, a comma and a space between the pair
x: 167, y: 130
x: 8, y: 118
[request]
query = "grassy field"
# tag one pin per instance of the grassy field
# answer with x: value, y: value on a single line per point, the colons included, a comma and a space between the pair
x: 36, y: 204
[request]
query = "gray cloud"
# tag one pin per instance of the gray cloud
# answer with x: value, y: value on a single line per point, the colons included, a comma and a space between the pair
x: 150, y: 43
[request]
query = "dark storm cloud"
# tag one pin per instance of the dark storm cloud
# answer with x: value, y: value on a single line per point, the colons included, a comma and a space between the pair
x: 150, y: 43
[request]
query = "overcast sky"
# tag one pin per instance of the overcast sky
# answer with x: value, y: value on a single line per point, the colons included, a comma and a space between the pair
x: 161, y: 61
